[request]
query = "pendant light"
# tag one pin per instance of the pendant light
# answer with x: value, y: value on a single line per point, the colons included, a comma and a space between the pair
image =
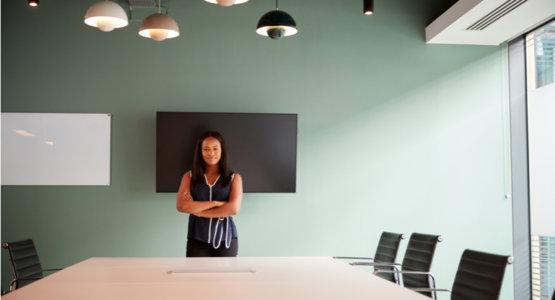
x: 106, y: 16
x: 226, y: 2
x: 368, y: 7
x: 159, y: 26
x: 33, y: 3
x: 276, y: 24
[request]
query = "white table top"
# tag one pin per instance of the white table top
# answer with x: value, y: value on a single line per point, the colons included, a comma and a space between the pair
x: 241, y: 278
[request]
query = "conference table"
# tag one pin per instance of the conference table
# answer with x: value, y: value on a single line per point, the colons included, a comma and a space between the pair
x: 242, y: 278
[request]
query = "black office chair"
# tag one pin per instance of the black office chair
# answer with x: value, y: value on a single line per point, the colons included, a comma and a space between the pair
x: 414, y: 272
x: 479, y: 276
x: 387, y: 250
x: 25, y: 263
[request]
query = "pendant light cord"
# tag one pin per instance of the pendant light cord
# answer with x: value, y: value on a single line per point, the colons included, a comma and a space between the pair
x: 159, y: 10
x: 277, y: 6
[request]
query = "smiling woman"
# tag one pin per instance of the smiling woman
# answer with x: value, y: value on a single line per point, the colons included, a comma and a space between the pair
x: 211, y: 194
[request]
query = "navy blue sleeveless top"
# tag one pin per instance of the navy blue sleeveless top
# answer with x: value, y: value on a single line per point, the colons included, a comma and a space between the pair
x: 199, y: 226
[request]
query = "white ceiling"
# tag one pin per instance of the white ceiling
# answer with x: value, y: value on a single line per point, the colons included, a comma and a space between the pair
x: 451, y: 26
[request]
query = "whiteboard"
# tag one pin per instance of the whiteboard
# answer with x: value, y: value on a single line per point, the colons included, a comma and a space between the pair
x: 55, y: 149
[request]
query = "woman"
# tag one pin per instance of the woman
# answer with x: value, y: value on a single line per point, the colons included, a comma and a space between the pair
x: 211, y: 194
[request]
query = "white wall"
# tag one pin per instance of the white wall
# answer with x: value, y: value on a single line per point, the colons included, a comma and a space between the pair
x: 434, y: 160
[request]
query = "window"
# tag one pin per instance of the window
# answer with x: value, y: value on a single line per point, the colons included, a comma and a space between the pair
x: 540, y: 65
x: 540, y: 58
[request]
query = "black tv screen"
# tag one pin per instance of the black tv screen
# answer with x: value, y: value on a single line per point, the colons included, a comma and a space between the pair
x: 261, y: 147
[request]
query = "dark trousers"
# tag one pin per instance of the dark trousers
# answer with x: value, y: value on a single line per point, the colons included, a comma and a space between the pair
x: 196, y: 248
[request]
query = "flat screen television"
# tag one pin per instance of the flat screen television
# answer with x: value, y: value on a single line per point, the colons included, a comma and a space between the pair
x: 261, y: 147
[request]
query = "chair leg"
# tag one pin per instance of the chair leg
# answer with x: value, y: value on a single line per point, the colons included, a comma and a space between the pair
x: 13, y: 285
x: 398, y: 276
x: 432, y: 284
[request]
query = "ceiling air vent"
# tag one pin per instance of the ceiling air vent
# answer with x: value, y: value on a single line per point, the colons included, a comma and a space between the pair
x: 496, y: 14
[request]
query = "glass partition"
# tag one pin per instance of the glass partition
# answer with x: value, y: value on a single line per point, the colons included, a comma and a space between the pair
x: 540, y: 75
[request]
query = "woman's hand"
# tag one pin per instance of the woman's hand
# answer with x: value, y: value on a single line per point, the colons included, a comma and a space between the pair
x: 185, y: 202
x: 204, y: 214
x: 229, y: 208
x: 187, y: 197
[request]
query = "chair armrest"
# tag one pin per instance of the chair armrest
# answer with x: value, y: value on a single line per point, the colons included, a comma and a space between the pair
x: 416, y: 272
x: 374, y: 264
x: 353, y: 257
x: 403, y: 272
x: 396, y: 272
x: 24, y: 279
x: 28, y: 278
x: 429, y: 290
x: 51, y: 270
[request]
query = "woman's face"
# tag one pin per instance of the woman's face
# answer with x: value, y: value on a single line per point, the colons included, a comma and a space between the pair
x: 211, y: 151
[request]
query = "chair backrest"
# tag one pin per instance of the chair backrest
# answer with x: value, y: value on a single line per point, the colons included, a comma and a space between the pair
x: 418, y: 257
x: 479, y: 276
x: 388, y: 246
x: 25, y: 262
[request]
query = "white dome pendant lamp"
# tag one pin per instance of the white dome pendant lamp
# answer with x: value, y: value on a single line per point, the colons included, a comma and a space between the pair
x: 106, y: 16
x: 159, y: 26
x: 226, y: 2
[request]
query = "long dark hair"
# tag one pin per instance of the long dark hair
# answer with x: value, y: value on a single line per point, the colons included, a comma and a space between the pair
x: 199, y: 164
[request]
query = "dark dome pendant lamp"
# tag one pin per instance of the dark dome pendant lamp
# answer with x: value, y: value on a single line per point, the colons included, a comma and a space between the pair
x: 276, y: 24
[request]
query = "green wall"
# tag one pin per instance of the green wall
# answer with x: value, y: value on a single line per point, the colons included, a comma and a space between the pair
x: 394, y: 134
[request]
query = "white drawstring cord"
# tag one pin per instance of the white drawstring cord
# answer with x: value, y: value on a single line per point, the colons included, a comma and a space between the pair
x: 228, y: 232
x: 209, y: 229
x: 228, y: 235
x: 209, y: 199
x: 227, y: 240
x: 217, y: 245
